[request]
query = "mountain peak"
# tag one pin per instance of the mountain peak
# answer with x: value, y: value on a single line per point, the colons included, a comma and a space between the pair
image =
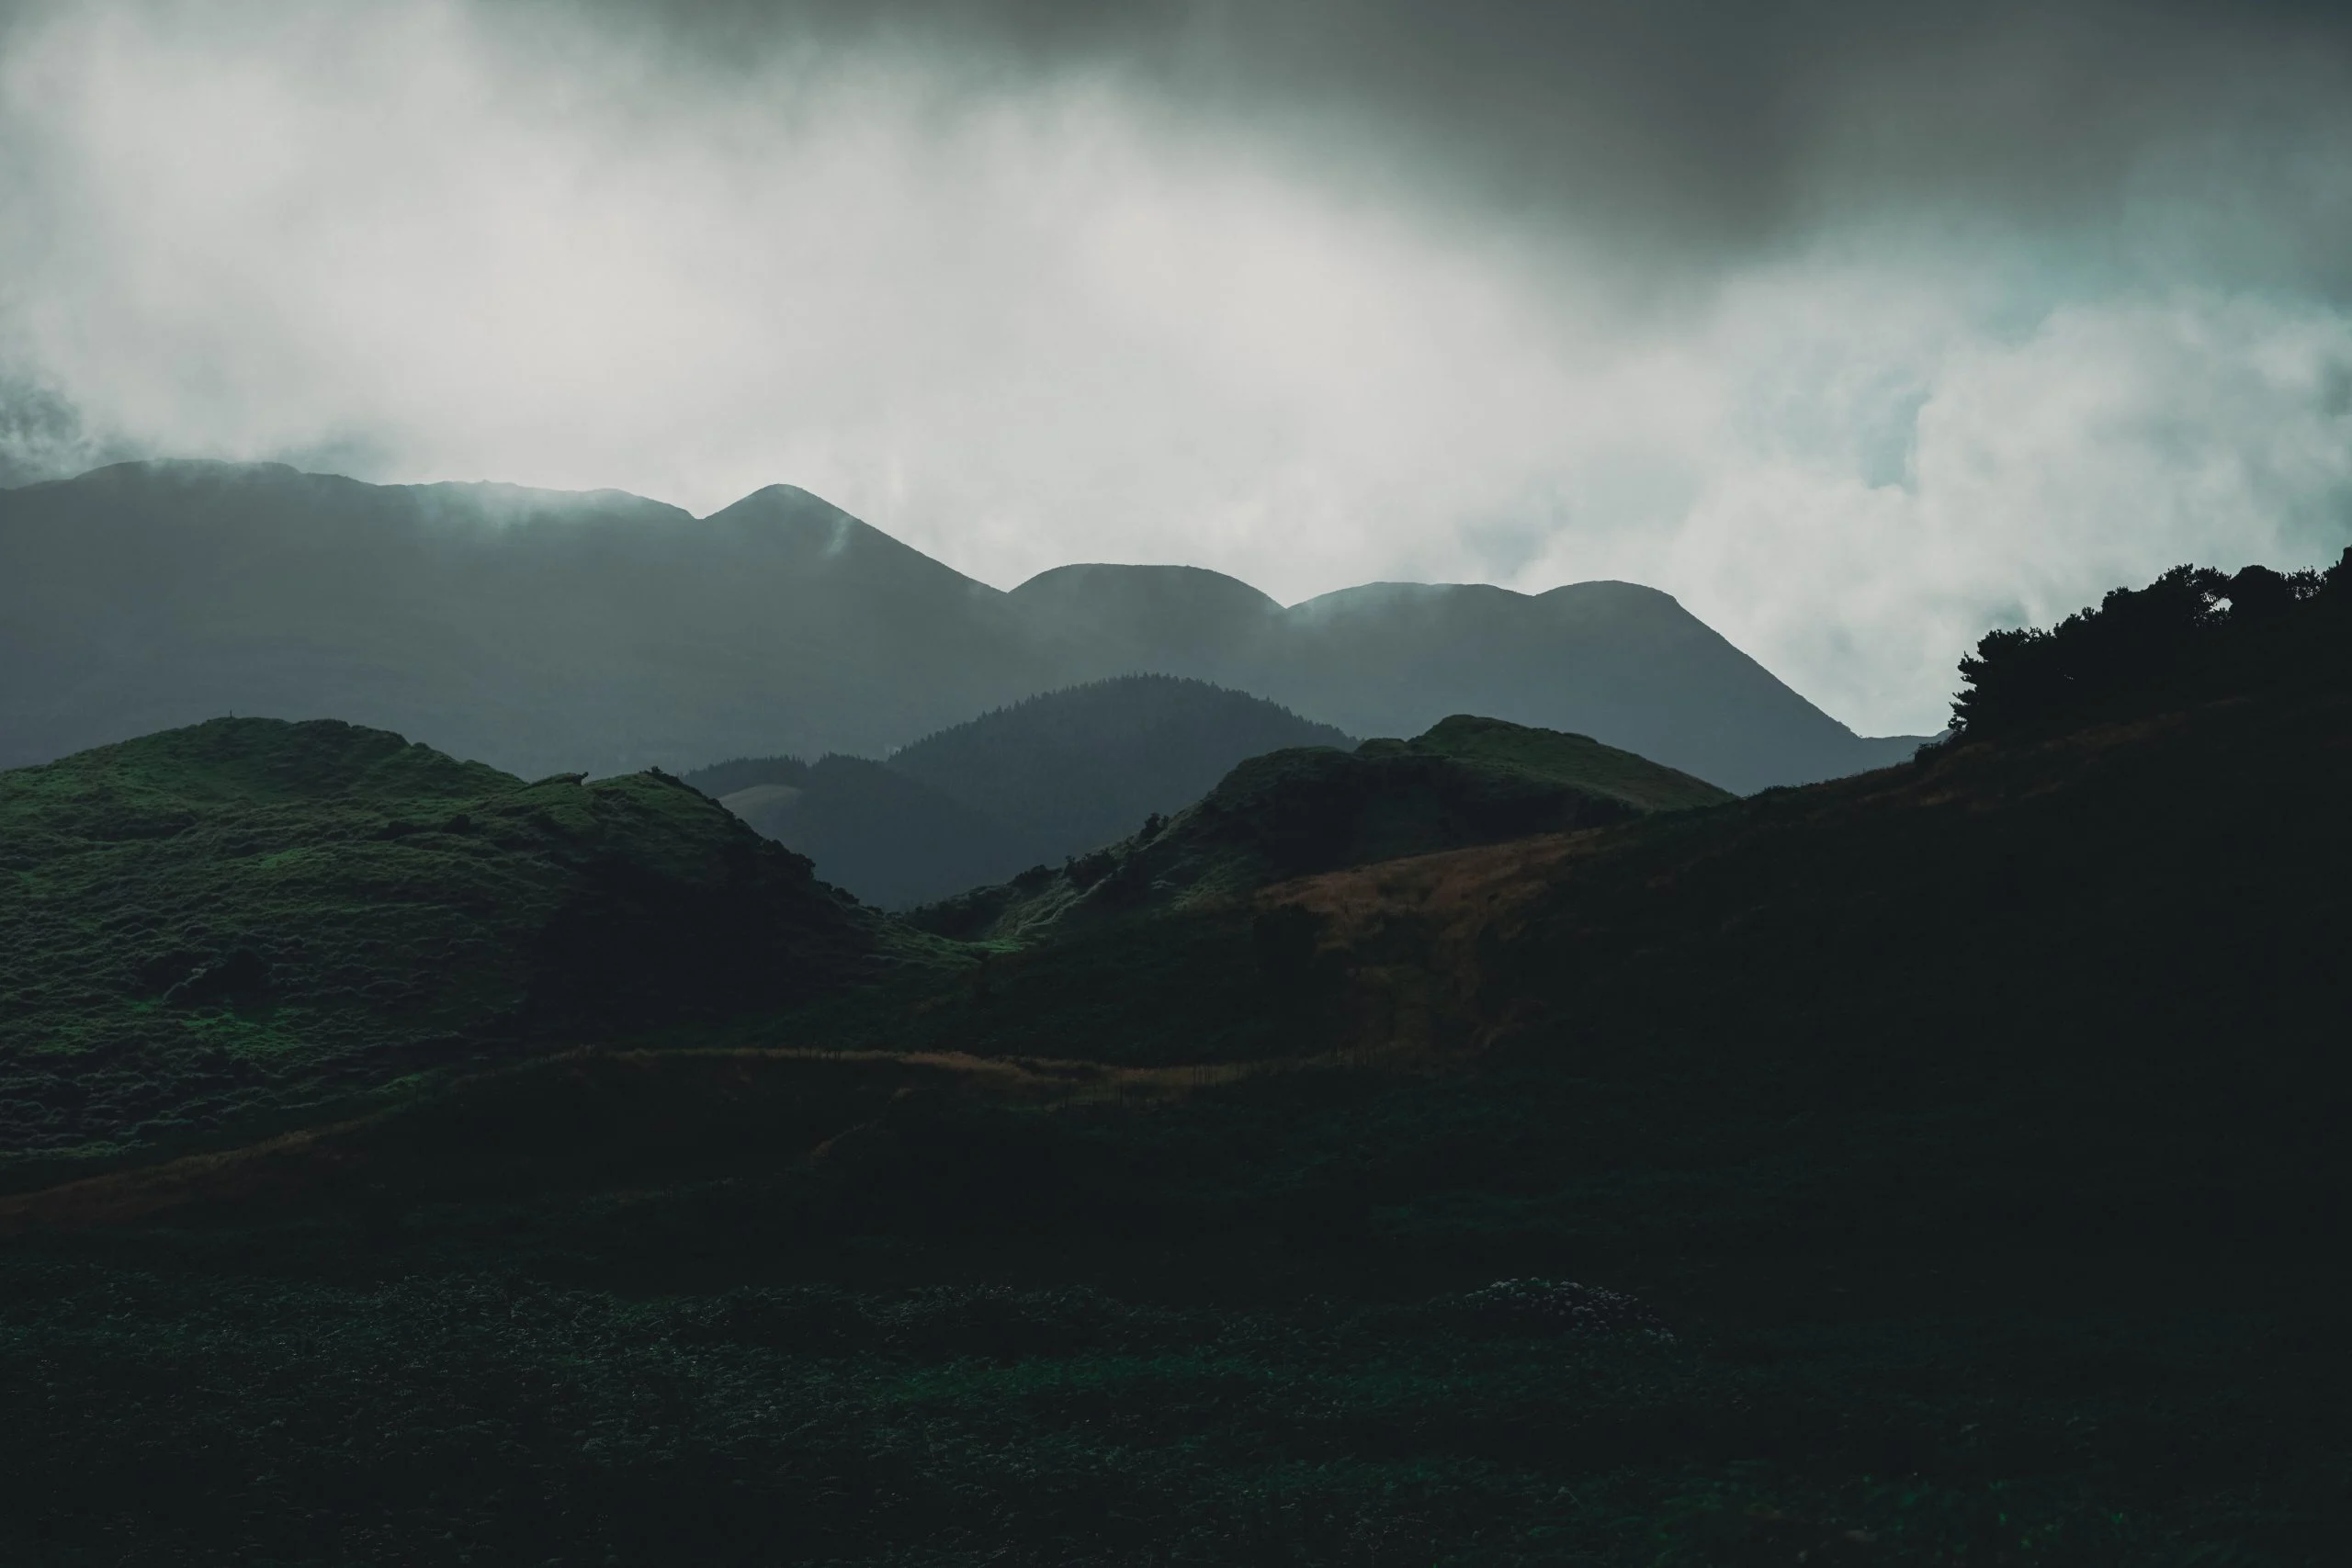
x: 813, y: 530
x: 551, y: 630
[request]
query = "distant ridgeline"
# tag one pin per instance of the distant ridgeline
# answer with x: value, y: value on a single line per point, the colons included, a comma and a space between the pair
x: 543, y: 631
x: 2193, y: 633
x: 1039, y: 781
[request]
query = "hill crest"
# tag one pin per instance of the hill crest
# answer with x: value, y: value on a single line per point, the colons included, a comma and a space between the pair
x: 208, y: 926
x: 1308, y: 810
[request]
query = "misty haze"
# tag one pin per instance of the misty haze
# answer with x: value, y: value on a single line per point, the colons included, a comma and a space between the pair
x: 933, y: 785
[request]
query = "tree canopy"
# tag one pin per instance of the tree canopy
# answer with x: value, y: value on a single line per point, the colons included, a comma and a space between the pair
x: 2194, y: 632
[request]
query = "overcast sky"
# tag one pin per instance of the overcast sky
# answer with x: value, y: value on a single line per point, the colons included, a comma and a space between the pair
x: 1856, y: 334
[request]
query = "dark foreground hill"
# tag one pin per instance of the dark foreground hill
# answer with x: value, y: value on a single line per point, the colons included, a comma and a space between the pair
x: 542, y: 630
x: 1291, y: 813
x: 1940, y: 1167
x: 1040, y: 780
x: 203, y: 928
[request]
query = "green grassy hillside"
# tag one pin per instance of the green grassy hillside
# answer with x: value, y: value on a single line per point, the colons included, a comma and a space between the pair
x: 1292, y: 813
x: 1576, y: 759
x: 207, y: 927
x: 1943, y: 1167
x: 1916, y: 1170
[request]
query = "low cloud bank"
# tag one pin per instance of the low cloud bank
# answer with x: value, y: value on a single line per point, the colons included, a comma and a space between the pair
x: 1857, y: 340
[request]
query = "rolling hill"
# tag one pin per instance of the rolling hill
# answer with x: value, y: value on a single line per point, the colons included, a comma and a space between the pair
x: 1290, y: 813
x: 542, y: 630
x: 1056, y: 775
x: 1073, y: 770
x: 1939, y: 1165
x: 203, y: 928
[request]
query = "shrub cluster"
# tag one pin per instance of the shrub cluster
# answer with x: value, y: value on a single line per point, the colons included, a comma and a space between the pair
x: 2193, y: 634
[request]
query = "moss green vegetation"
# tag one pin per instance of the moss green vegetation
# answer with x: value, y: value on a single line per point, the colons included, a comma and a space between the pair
x: 208, y: 928
x: 1576, y: 759
x: 1943, y: 1167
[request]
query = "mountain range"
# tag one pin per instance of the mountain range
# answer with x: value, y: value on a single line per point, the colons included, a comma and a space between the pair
x: 542, y: 631
x: 407, y: 1162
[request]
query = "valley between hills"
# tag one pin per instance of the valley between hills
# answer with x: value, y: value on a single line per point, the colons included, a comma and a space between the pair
x: 1485, y: 1142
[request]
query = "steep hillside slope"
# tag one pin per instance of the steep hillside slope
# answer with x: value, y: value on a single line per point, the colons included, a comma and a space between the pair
x: 541, y: 630
x: 2133, y: 890
x: 1290, y: 813
x: 1624, y: 663
x: 213, y: 924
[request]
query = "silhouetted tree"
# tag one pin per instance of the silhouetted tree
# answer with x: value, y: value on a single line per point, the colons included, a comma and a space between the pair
x: 2192, y: 634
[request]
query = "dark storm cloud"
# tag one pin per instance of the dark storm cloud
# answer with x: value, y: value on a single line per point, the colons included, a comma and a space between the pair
x: 1854, y: 326
x: 1699, y: 125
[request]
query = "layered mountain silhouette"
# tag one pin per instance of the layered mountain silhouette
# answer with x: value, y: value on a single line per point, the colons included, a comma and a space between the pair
x: 891, y: 840
x: 533, y: 1171
x: 541, y: 630
x: 1317, y: 808
x: 1039, y: 781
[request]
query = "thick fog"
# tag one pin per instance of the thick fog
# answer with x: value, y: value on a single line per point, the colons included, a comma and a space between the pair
x: 1855, y: 333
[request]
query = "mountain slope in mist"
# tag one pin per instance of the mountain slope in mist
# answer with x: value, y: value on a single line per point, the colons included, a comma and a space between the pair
x: 1074, y: 770
x: 542, y: 630
x: 891, y: 840
x: 1038, y: 781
